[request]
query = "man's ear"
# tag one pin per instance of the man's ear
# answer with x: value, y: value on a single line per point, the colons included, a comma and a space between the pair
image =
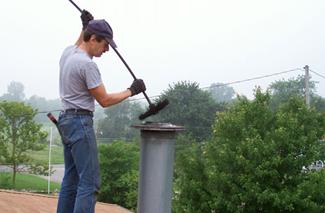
x: 92, y: 38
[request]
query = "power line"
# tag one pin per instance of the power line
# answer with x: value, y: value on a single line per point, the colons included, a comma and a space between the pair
x: 217, y: 85
x: 236, y: 82
x: 55, y: 110
x: 251, y: 79
x: 317, y: 74
x: 137, y: 99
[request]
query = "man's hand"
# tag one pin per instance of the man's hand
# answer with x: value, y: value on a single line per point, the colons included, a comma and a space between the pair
x: 137, y: 86
x: 86, y: 17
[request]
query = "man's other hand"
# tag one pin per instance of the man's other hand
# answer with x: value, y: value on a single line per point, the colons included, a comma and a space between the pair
x: 137, y: 87
x: 86, y: 17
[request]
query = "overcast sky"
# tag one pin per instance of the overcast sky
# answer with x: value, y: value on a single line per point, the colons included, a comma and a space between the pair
x: 165, y: 41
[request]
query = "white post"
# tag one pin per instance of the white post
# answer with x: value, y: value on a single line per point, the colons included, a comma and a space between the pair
x: 49, y: 177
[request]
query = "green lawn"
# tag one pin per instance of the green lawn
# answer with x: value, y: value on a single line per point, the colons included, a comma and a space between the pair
x: 43, y: 155
x: 27, y: 182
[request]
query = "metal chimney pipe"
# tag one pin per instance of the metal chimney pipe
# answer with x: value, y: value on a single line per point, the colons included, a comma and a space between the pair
x: 156, y: 166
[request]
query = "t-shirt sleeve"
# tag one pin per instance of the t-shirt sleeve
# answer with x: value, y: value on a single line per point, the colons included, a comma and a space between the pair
x: 92, y: 75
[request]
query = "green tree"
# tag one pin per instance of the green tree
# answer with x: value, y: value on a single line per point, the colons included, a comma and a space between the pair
x: 2, y: 139
x: 15, y: 92
x: 119, y: 173
x: 43, y: 105
x: 283, y: 90
x: 191, y: 107
x: 19, y: 134
x: 191, y: 193
x: 119, y: 118
x: 311, y: 193
x: 40, y: 168
x: 222, y: 93
x: 256, y: 158
x: 318, y: 102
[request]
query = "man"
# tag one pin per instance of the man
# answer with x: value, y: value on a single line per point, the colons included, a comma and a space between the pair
x: 80, y: 86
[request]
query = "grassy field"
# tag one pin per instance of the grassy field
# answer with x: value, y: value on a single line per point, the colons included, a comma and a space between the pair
x: 27, y: 182
x: 43, y: 155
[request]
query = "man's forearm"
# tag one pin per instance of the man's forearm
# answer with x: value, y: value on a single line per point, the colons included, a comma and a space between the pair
x: 115, y: 98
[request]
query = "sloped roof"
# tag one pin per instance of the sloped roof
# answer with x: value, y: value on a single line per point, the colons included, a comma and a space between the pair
x: 19, y: 202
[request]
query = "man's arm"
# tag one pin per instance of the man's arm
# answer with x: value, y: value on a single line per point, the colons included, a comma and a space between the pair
x: 80, y: 39
x: 108, y: 99
x: 85, y: 17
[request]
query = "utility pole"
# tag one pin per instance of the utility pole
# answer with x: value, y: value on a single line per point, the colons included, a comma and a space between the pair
x: 307, y: 95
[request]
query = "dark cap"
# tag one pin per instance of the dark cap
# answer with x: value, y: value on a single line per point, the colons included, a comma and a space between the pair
x: 101, y: 27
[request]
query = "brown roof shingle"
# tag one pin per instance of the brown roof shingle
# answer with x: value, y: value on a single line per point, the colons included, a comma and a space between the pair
x: 21, y: 202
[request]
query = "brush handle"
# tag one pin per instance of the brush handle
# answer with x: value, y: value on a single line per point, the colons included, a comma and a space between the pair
x: 119, y: 55
x: 129, y: 69
x: 74, y: 4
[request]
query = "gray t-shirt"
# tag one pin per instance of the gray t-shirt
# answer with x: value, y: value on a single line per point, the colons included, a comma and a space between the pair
x: 78, y: 74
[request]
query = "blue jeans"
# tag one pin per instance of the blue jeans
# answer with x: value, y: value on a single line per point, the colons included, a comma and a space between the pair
x: 81, y: 179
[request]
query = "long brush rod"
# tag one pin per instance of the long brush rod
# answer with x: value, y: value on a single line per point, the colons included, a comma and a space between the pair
x: 127, y: 66
x: 74, y: 4
x: 119, y: 55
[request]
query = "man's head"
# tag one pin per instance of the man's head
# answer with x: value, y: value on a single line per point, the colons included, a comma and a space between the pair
x: 98, y: 35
